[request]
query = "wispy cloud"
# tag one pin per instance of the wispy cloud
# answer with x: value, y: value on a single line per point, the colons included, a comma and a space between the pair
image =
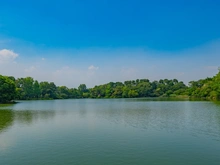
x: 92, y: 67
x: 66, y: 71
x: 7, y: 55
x: 30, y: 69
x: 69, y: 67
x: 92, y: 70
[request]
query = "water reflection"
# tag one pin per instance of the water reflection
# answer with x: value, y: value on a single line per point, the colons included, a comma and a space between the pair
x: 28, y: 117
x: 217, y: 103
x: 158, y: 99
x: 195, y: 118
x: 110, y: 131
x: 8, y: 117
x: 167, y: 99
x: 147, y: 114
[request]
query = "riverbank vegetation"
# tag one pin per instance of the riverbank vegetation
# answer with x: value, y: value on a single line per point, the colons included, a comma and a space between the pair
x: 28, y: 89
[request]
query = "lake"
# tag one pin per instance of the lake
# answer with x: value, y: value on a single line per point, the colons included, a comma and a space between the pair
x: 110, y: 132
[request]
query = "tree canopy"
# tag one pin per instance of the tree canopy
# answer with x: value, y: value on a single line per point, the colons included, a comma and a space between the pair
x: 7, y: 89
x: 28, y: 88
x: 206, y: 88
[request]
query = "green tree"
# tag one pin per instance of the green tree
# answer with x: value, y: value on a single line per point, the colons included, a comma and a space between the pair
x: 48, y: 90
x: 63, y: 92
x: 82, y: 89
x: 7, y: 89
x: 36, y: 90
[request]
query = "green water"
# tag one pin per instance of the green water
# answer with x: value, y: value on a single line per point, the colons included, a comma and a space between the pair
x: 110, y: 132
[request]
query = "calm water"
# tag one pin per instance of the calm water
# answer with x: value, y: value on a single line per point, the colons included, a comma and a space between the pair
x: 110, y: 132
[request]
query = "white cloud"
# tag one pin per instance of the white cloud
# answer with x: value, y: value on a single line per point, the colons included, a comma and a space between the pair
x: 66, y: 71
x: 92, y: 70
x: 124, y: 64
x: 92, y: 67
x: 71, y: 76
x: 7, y: 56
x: 30, y: 69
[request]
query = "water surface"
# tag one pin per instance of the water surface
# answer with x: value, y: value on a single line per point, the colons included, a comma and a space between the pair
x: 110, y: 131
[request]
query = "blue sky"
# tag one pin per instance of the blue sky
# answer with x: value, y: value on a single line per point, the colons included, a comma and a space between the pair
x: 71, y: 42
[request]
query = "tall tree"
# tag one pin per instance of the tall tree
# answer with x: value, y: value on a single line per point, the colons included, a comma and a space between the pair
x: 7, y: 89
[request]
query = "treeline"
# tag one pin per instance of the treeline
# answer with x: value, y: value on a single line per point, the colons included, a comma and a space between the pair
x: 208, y: 88
x: 28, y: 89
x: 138, y: 88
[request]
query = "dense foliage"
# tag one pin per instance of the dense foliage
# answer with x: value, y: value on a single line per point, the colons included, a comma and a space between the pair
x: 28, y: 88
x: 208, y: 88
x: 7, y: 89
x: 138, y: 88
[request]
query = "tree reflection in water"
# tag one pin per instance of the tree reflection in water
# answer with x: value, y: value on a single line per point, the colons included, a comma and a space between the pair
x: 8, y: 117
